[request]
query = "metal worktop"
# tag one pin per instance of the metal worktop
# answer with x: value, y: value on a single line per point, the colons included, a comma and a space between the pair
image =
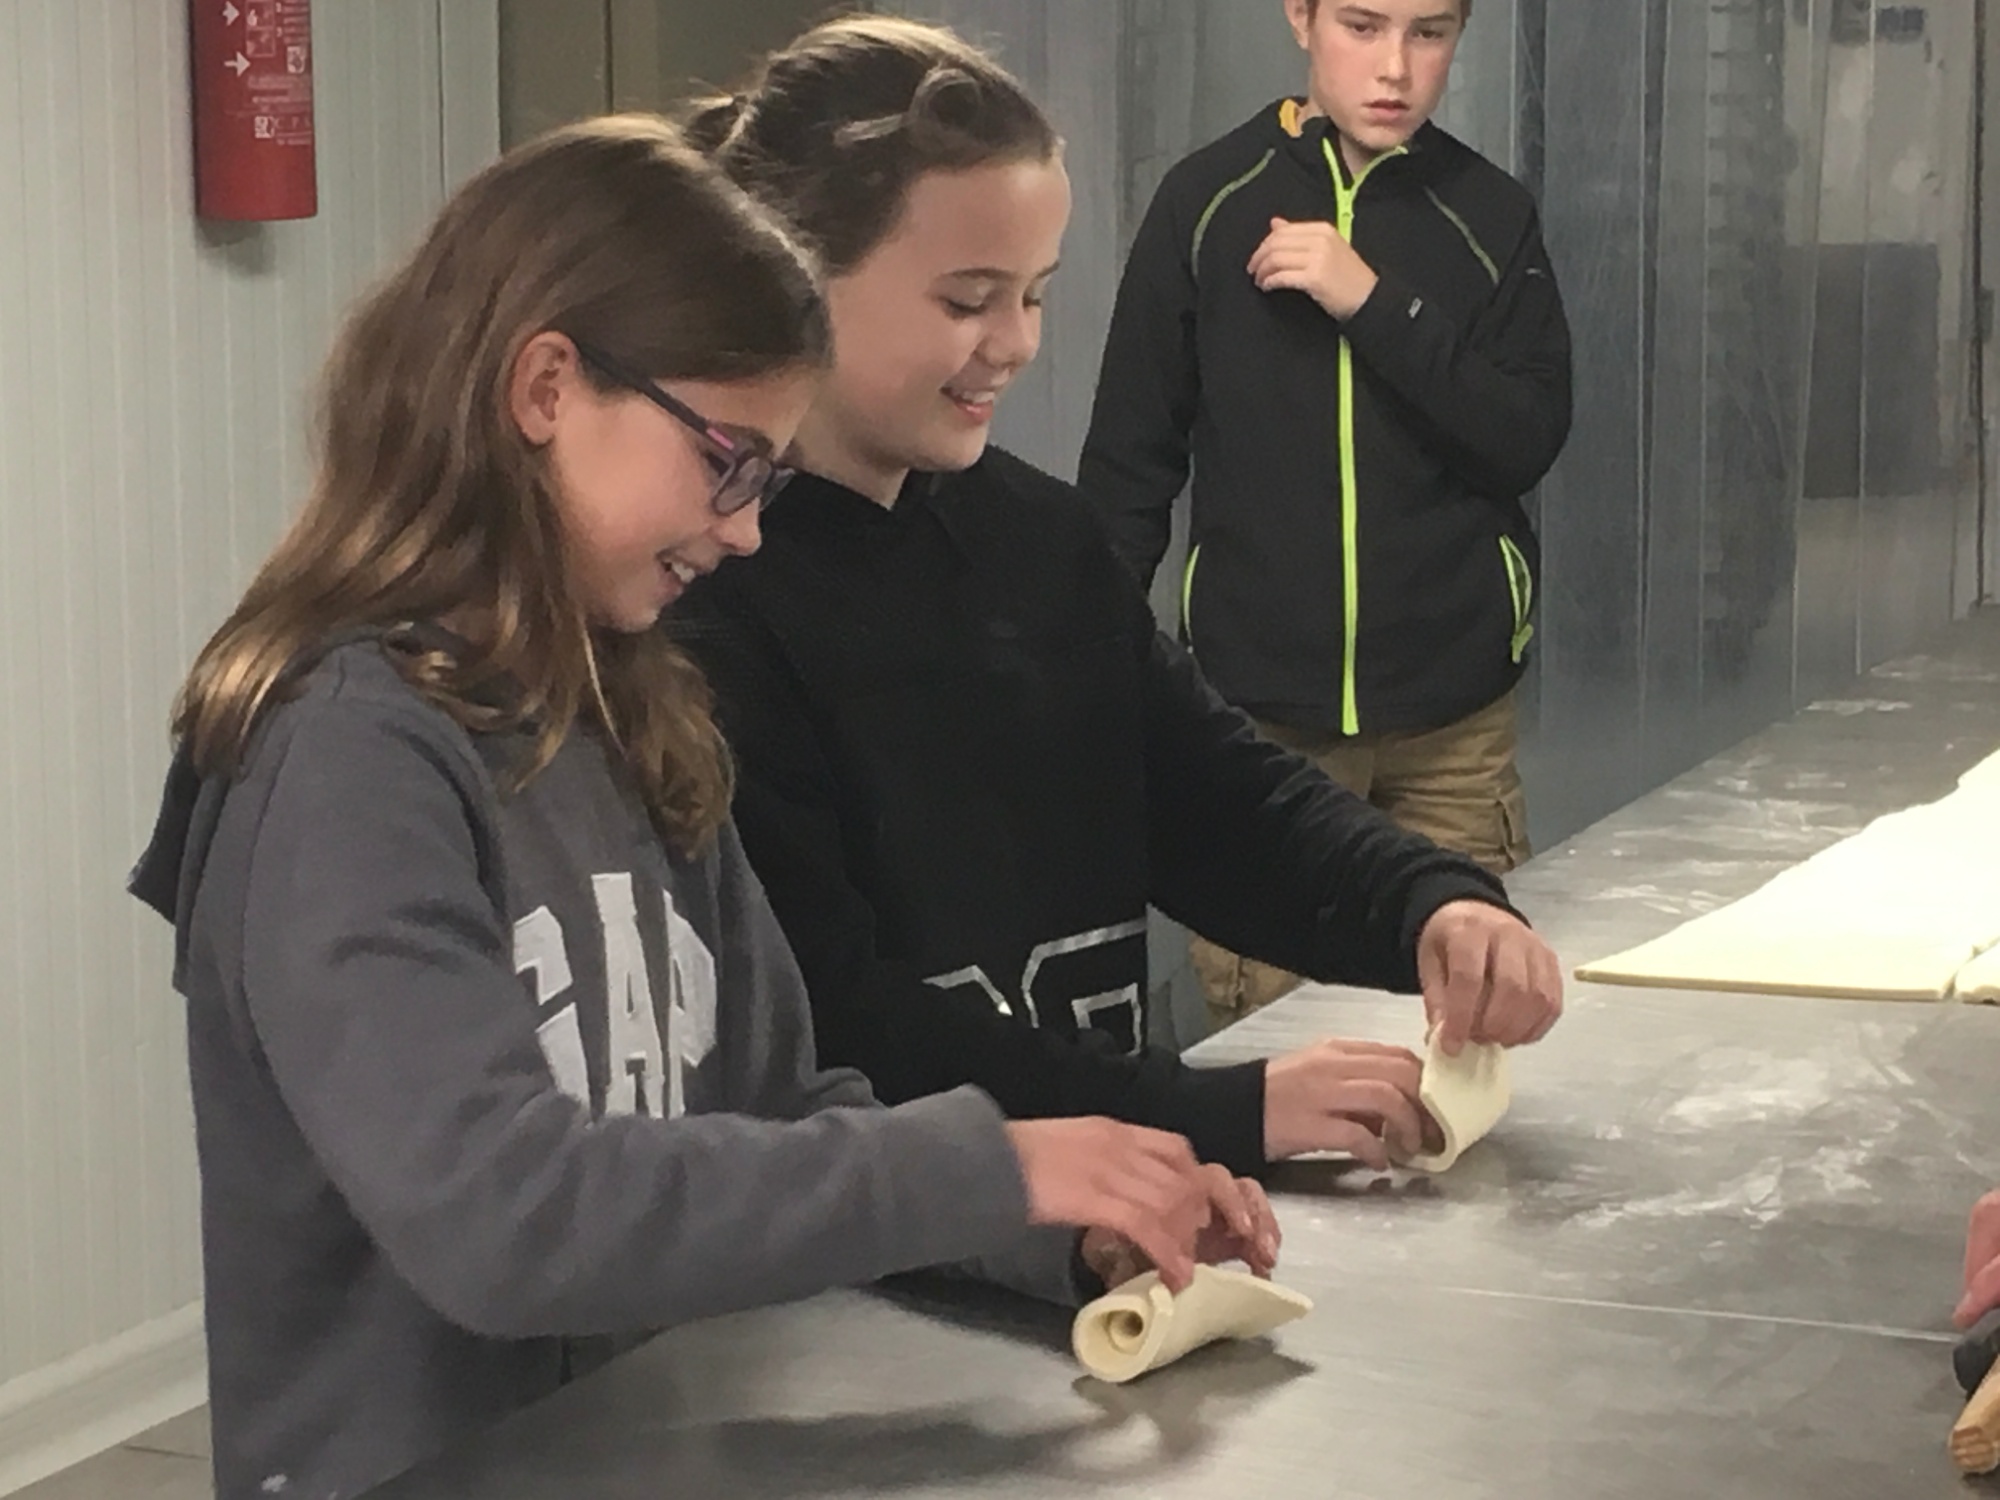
x: 1710, y: 1252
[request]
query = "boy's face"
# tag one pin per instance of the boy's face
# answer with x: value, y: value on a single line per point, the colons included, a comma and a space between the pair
x: 1379, y: 67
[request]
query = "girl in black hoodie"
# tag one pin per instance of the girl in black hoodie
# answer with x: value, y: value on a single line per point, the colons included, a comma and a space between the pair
x: 968, y: 761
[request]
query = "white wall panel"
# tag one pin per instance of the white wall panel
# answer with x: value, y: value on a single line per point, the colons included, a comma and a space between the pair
x: 155, y: 384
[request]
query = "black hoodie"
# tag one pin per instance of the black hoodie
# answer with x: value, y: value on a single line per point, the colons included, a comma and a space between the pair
x: 1360, y: 559
x: 968, y: 762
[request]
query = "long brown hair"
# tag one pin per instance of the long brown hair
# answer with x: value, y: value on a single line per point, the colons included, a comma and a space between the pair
x: 428, y: 499
x: 834, y: 129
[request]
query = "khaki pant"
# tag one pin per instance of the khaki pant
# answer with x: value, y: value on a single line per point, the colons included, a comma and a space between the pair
x: 1457, y: 785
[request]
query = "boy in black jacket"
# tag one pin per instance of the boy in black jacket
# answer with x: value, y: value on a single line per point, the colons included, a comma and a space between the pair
x: 1346, y: 321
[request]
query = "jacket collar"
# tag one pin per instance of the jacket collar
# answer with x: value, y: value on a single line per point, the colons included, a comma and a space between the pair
x: 1305, y: 141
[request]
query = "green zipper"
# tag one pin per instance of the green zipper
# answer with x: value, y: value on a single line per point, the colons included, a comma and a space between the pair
x: 1521, y: 589
x: 1350, y: 483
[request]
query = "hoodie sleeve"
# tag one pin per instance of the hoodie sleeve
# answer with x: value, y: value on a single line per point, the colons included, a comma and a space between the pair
x: 377, y: 974
x: 758, y: 969
x: 876, y: 1012
x: 1135, y: 459
x: 1494, y: 394
x: 1255, y: 848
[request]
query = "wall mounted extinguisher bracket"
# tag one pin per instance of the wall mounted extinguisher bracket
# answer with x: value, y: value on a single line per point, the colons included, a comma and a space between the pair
x: 250, y: 67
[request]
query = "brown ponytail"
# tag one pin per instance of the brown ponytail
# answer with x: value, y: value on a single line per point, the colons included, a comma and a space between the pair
x: 834, y: 129
x: 709, y: 124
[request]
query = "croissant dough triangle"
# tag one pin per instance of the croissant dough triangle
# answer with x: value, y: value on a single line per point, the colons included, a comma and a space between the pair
x: 1142, y: 1326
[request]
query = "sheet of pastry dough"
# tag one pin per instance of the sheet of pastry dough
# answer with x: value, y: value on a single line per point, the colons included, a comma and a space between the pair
x: 1978, y: 982
x: 1986, y: 773
x: 1893, y: 913
x: 1466, y: 1095
x: 1142, y: 1326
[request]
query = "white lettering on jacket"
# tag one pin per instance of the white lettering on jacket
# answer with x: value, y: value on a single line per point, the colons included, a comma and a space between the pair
x: 1103, y: 1010
x: 645, y: 1072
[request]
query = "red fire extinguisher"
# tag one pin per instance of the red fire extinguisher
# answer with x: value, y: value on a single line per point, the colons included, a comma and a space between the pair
x: 251, y: 65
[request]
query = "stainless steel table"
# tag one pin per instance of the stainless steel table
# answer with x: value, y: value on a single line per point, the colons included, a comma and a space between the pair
x: 1711, y: 1251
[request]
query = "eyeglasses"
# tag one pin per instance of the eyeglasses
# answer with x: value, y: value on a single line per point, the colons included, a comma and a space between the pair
x: 744, y: 471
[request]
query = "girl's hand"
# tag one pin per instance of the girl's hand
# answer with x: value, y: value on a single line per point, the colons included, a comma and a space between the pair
x: 1241, y: 1227
x: 1143, y: 1186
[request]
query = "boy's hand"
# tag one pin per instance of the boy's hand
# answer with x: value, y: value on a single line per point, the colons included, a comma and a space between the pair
x: 1486, y: 977
x: 1310, y: 256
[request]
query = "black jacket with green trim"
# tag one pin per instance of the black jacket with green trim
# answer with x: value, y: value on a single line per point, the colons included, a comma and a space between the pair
x: 968, y: 761
x: 1395, y: 592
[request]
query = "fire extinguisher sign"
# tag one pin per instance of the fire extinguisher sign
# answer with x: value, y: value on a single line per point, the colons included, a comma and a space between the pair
x: 251, y: 69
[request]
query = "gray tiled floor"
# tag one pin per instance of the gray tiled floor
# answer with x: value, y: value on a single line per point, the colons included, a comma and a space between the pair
x: 168, y: 1463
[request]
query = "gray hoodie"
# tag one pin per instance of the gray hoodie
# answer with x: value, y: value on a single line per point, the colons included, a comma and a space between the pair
x: 486, y: 1088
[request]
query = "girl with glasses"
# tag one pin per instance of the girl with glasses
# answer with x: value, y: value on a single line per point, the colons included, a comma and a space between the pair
x: 499, y: 1058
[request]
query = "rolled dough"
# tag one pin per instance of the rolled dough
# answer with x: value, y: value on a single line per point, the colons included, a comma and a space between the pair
x: 1466, y: 1095
x: 1895, y: 912
x: 1142, y: 1326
